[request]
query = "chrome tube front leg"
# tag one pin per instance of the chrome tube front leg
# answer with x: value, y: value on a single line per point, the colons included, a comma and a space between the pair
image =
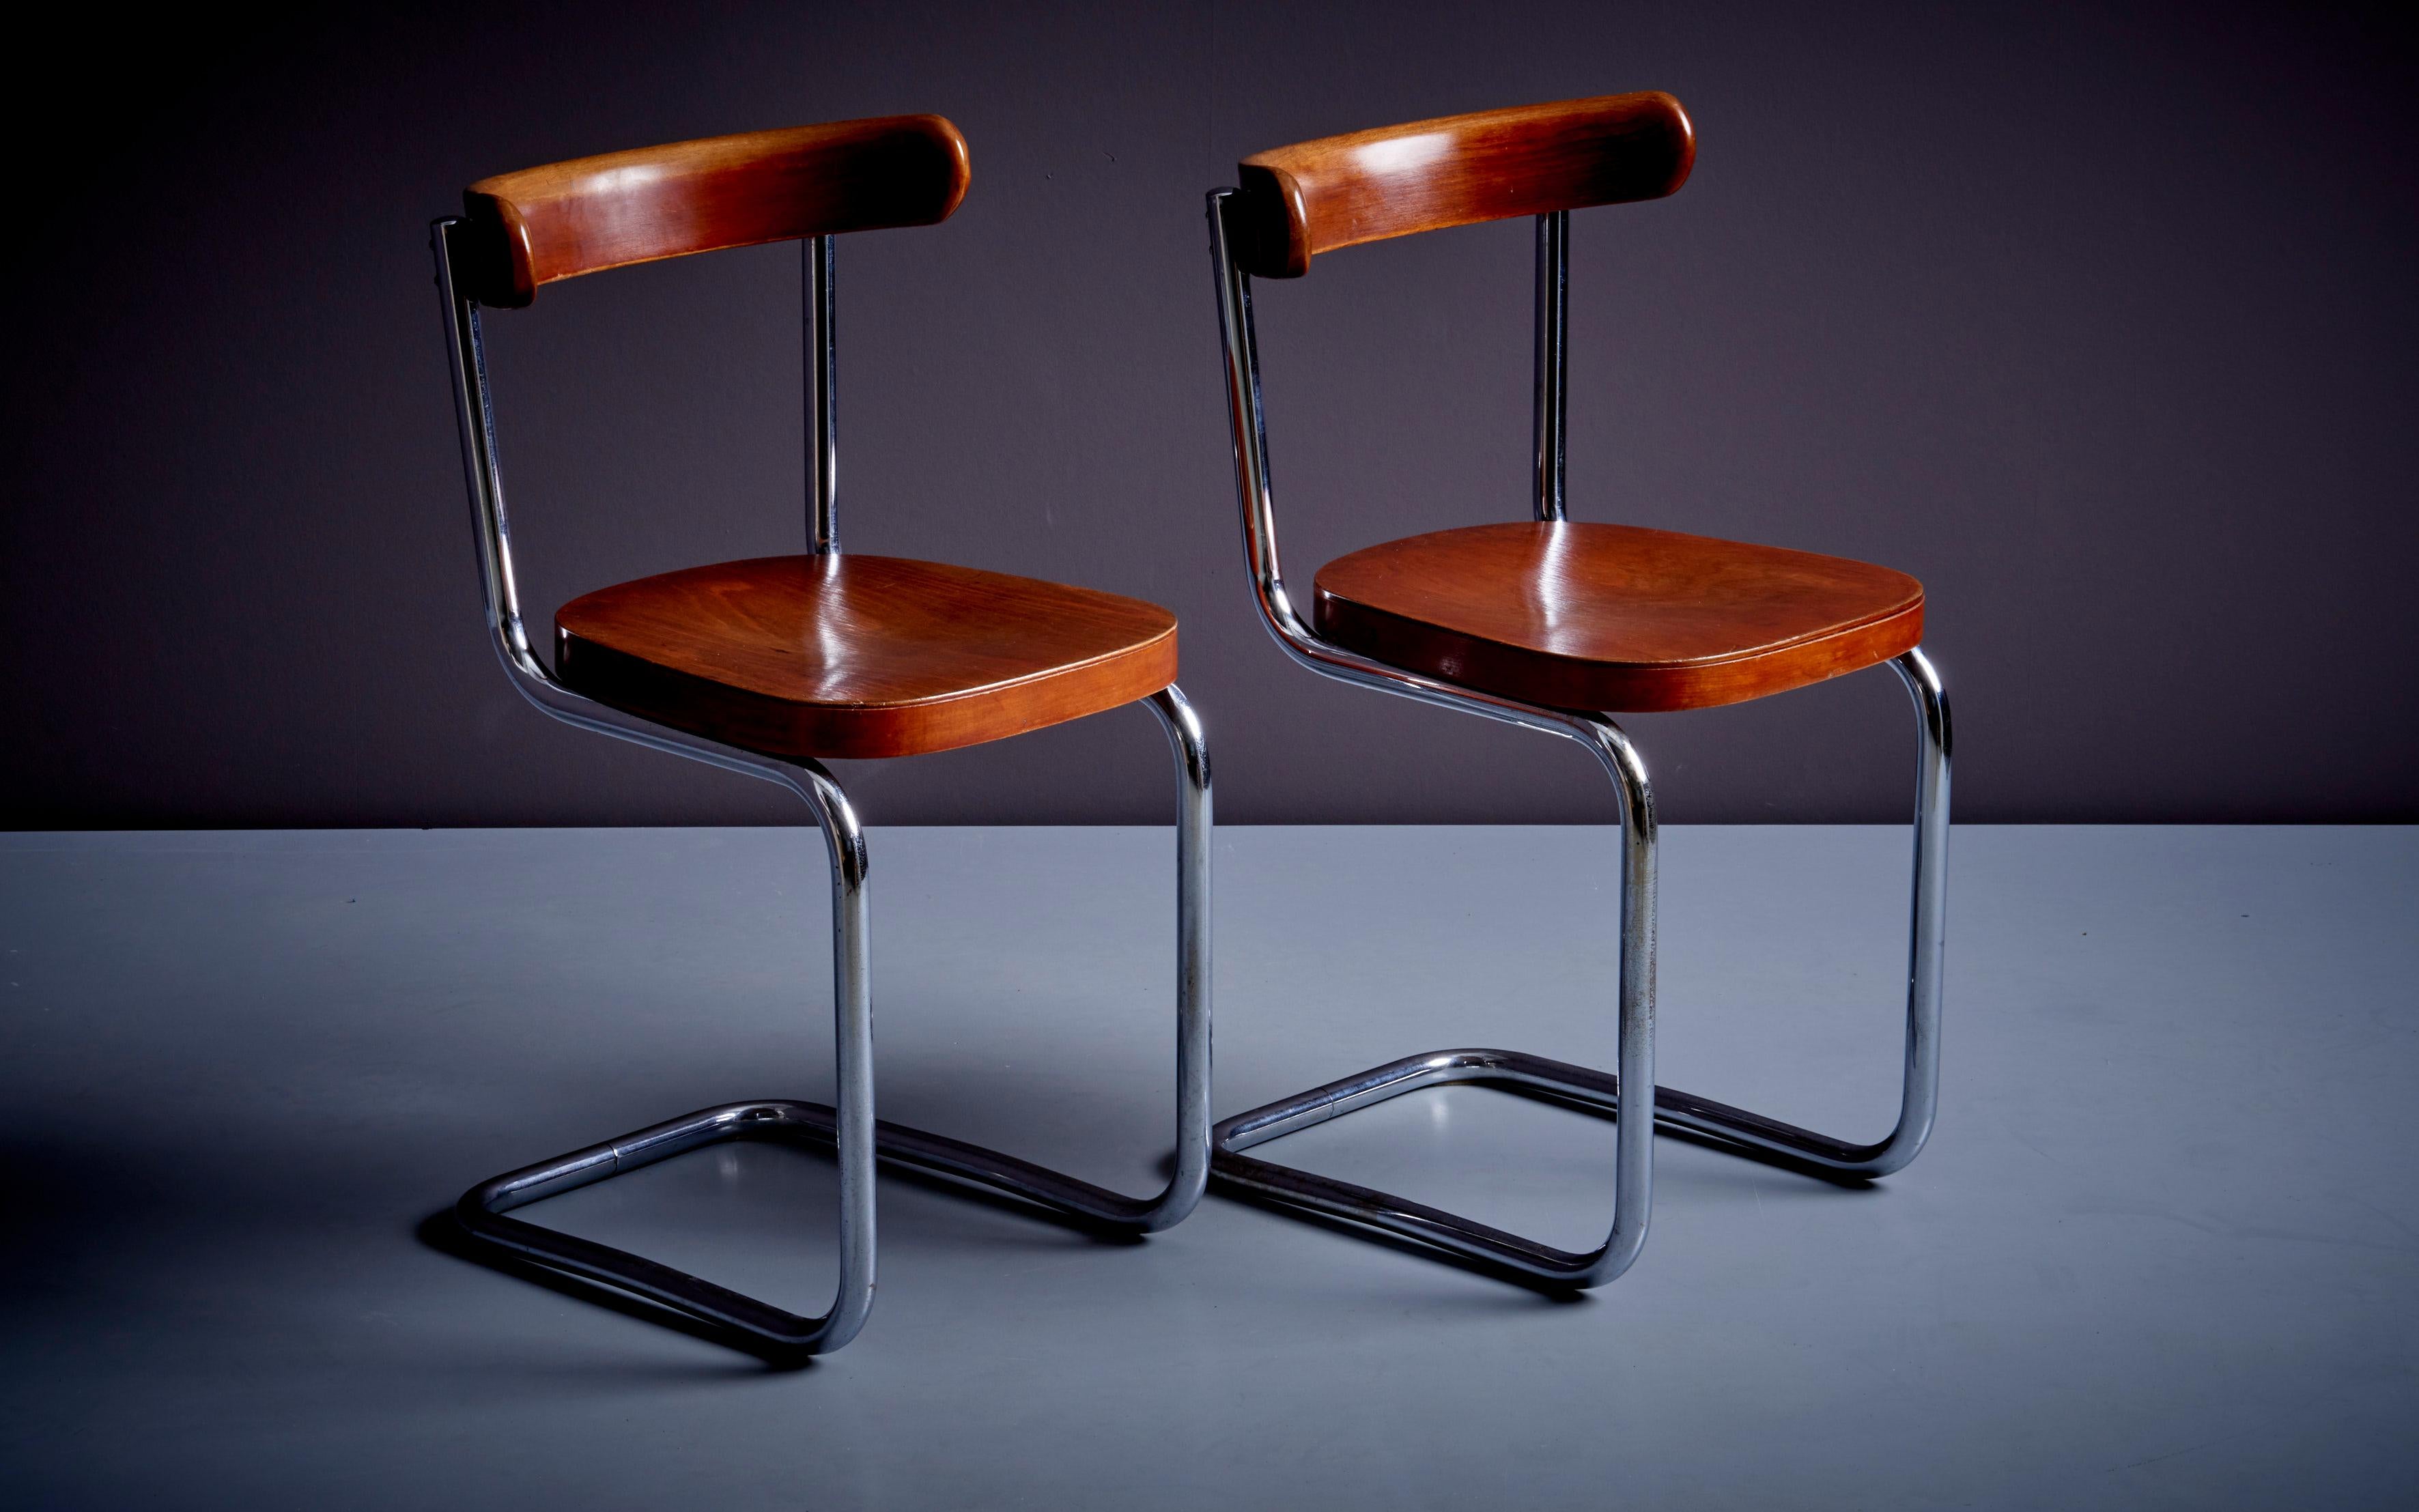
x: 1603, y: 1093
x: 1097, y: 1206
x: 1927, y: 929
x: 1183, y: 1194
x: 1634, y: 1053
x: 1634, y: 1049
x: 1194, y: 834
x: 849, y: 1125
x: 852, y: 1057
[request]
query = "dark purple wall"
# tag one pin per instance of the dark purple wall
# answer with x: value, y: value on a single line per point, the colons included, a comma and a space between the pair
x: 2100, y: 320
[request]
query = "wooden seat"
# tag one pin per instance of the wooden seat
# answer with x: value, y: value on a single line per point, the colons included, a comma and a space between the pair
x: 1614, y: 618
x: 853, y: 655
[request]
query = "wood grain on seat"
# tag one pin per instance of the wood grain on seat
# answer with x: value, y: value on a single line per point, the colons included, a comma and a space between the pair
x: 850, y: 656
x: 1614, y: 618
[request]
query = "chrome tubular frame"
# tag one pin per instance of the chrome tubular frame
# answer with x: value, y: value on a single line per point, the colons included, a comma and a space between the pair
x: 848, y: 1125
x: 822, y: 399
x: 1553, y: 357
x: 1634, y: 1044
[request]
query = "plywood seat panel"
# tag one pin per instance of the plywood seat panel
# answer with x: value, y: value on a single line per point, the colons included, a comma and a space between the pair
x: 853, y: 656
x: 1614, y: 618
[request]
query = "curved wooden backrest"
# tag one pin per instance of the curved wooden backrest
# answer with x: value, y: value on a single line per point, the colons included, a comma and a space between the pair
x: 590, y: 214
x: 1341, y: 191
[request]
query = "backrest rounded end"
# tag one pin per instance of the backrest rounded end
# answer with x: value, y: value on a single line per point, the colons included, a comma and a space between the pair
x: 1680, y: 134
x: 958, y: 161
x: 492, y: 261
x: 1271, y: 228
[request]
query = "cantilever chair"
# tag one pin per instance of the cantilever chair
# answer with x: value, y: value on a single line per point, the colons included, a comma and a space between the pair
x: 1551, y: 624
x: 763, y: 667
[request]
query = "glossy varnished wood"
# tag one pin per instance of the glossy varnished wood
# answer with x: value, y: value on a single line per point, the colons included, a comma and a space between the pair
x: 1315, y: 196
x: 1615, y: 618
x: 859, y: 656
x: 589, y: 214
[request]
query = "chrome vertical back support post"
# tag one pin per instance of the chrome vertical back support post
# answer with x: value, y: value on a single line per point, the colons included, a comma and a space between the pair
x: 823, y: 399
x: 848, y: 1124
x: 1553, y: 357
x: 1634, y: 989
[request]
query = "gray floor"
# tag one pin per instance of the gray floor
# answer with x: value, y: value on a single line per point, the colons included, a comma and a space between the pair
x: 2164, y: 1252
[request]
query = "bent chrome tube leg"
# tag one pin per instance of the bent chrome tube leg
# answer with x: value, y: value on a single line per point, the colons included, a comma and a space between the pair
x: 853, y: 1056
x: 1928, y: 927
x: 1634, y: 1051
x: 1097, y: 1206
x: 1634, y: 1153
x: 1919, y: 1097
x: 1601, y: 1093
x: 1193, y: 830
x: 849, y: 1125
